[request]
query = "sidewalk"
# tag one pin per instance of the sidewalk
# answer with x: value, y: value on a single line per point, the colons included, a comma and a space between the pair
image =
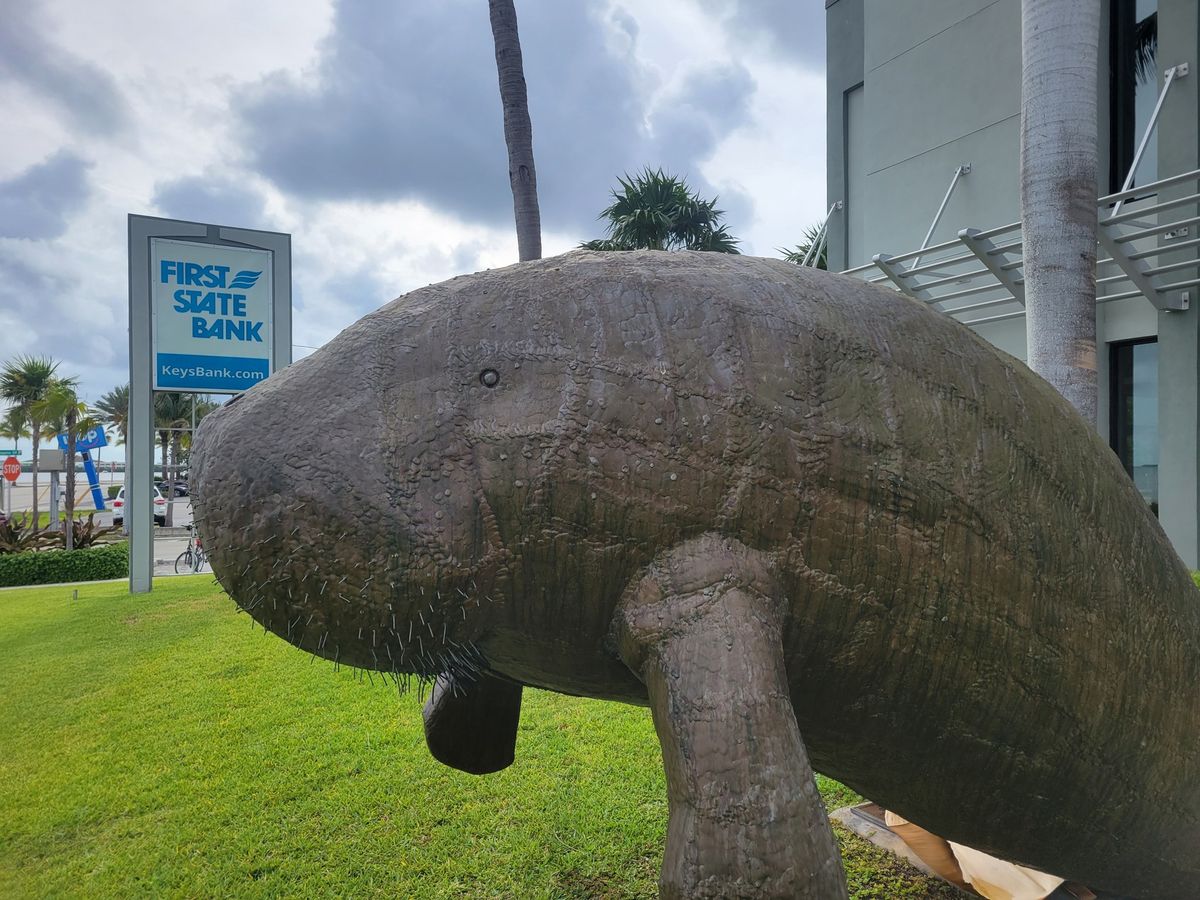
x: 166, y: 549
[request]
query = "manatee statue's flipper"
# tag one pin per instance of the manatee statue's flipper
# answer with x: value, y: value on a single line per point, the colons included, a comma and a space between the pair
x: 703, y: 629
x: 472, y: 725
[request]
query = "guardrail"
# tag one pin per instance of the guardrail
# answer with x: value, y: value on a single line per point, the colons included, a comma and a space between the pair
x: 1150, y: 252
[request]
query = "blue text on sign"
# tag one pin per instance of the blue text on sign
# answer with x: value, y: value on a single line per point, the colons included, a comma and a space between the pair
x: 172, y: 271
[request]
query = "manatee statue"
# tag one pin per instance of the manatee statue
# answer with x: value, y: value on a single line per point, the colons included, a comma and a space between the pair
x: 807, y: 521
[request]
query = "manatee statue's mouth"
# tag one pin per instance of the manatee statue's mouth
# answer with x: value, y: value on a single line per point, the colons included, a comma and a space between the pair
x: 371, y: 608
x: 338, y: 570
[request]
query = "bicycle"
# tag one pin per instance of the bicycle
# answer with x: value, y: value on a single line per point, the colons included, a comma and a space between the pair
x: 193, y: 559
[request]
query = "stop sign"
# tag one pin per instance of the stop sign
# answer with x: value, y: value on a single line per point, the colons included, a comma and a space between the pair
x: 12, y: 468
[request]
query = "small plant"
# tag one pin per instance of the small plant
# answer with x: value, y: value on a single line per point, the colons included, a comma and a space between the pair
x: 18, y: 535
x: 88, y: 533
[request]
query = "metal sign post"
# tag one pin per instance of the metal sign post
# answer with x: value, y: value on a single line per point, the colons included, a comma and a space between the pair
x: 53, y: 462
x: 210, y: 311
x: 55, y: 493
x: 12, y: 471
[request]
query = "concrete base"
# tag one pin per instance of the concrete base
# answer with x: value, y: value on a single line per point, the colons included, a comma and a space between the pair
x: 866, y: 820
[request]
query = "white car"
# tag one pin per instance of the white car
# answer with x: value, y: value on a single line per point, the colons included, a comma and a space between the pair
x: 160, y: 507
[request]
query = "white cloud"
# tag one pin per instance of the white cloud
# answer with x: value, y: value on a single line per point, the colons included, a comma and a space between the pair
x: 683, y: 86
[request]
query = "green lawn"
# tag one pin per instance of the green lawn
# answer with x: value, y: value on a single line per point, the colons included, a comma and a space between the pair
x: 159, y: 746
x: 44, y: 516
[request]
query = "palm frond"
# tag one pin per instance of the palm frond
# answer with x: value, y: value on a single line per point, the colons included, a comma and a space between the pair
x: 653, y: 210
x: 1145, y: 49
x: 801, y: 251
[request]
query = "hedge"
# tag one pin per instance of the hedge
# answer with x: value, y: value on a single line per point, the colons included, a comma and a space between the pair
x: 55, y: 566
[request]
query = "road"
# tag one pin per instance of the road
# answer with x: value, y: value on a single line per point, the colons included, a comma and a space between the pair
x: 22, y: 500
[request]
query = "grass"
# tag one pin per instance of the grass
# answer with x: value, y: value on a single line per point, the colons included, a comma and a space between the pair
x: 44, y: 516
x: 159, y: 746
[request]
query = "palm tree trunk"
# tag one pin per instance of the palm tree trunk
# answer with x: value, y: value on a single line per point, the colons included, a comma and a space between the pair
x: 518, y: 131
x: 175, y: 446
x: 36, y: 435
x: 69, y: 503
x: 1059, y: 46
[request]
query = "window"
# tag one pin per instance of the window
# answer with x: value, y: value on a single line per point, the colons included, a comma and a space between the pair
x: 854, y: 178
x: 1134, y: 88
x: 1134, y: 412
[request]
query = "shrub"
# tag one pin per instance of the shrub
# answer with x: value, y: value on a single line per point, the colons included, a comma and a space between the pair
x: 17, y: 534
x: 54, y: 566
x: 113, y: 490
x: 88, y: 534
x: 1196, y: 578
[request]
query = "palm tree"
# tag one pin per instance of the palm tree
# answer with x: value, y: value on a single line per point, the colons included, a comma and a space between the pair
x: 62, y: 410
x: 656, y: 211
x: 201, y: 408
x: 13, y: 426
x: 518, y: 131
x: 172, y: 412
x: 801, y: 251
x: 113, y: 410
x: 23, y: 382
x: 1059, y: 50
x: 181, y: 440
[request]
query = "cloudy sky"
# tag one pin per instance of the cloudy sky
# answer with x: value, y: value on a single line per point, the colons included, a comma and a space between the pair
x: 371, y: 131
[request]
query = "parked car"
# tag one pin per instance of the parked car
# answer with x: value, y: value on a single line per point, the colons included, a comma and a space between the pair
x: 160, y: 507
x: 179, y: 487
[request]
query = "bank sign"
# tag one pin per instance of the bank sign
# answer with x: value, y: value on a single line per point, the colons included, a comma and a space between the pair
x: 211, y: 308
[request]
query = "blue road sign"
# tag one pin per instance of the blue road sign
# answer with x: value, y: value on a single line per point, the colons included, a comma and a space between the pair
x: 93, y: 440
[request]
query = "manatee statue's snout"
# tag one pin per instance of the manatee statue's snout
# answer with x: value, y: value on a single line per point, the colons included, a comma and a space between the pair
x: 800, y: 517
x: 312, y: 528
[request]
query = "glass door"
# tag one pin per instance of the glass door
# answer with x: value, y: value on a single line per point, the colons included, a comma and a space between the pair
x: 1134, y: 412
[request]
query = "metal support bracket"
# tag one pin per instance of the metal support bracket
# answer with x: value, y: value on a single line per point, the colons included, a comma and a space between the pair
x: 896, y: 275
x: 1135, y: 271
x: 984, y: 250
x: 960, y: 172
x: 1169, y: 76
x: 818, y: 243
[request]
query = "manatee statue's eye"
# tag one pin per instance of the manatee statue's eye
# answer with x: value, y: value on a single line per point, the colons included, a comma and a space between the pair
x: 489, y: 378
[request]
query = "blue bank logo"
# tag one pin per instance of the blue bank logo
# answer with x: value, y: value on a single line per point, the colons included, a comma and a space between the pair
x: 244, y: 279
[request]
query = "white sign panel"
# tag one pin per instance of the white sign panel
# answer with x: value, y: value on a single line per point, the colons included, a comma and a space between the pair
x: 212, y: 316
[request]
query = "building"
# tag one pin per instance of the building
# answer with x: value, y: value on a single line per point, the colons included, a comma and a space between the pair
x: 924, y: 101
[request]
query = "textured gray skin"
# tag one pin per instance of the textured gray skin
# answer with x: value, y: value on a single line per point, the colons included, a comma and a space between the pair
x: 976, y: 619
